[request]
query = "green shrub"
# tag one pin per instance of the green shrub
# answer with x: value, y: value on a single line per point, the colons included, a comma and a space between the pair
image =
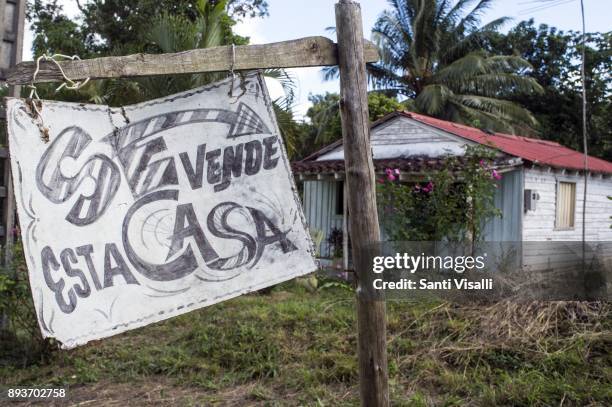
x: 20, y: 337
x: 453, y: 203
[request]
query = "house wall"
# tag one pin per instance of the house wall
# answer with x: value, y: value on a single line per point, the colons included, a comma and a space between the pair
x: 539, y: 225
x: 555, y: 257
x: 319, y: 209
x: 509, y: 199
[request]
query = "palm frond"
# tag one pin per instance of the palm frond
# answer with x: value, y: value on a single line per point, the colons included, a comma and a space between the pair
x: 459, y: 44
x: 464, y: 72
x: 503, y: 110
x: 471, y: 19
x: 453, y: 16
x: 498, y: 85
x: 287, y: 80
x: 330, y: 72
x: 433, y: 99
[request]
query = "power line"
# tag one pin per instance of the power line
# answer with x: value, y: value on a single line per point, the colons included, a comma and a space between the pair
x: 542, y: 5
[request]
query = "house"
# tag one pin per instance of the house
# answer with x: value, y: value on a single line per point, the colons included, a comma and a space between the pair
x: 540, y: 195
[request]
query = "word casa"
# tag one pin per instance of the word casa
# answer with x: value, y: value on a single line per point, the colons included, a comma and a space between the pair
x: 67, y: 273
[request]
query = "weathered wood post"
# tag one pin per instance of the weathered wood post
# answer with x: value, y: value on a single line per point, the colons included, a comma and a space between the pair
x: 363, y: 215
x: 11, y: 44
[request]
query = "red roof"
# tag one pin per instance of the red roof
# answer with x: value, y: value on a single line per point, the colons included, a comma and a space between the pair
x: 539, y: 152
x: 414, y: 165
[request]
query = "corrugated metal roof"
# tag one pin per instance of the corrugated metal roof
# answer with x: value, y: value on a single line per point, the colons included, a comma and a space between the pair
x: 414, y: 164
x: 532, y: 150
x: 541, y: 152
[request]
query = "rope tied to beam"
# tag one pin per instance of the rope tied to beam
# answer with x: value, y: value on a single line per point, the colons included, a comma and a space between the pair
x: 67, y: 84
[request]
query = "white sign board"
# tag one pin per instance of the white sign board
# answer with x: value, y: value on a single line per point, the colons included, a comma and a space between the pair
x: 133, y: 215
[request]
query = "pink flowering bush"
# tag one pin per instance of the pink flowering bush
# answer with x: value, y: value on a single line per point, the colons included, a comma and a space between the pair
x: 452, y: 203
x: 392, y: 174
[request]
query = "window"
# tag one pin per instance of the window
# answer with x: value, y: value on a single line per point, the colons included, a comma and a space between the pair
x: 340, y: 198
x: 566, y: 205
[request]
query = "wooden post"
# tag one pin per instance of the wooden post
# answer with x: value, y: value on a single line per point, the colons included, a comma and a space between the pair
x: 15, y: 34
x: 11, y: 43
x: 363, y: 219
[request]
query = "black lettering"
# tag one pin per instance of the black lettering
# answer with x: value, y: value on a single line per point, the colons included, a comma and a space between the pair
x: 58, y: 188
x: 262, y: 225
x: 213, y: 173
x: 68, y: 258
x: 218, y: 226
x: 180, y: 267
x: 254, y: 153
x: 85, y: 252
x: 196, y: 176
x: 50, y: 262
x: 232, y: 166
x: 111, y: 253
x: 185, y: 213
x: 269, y: 161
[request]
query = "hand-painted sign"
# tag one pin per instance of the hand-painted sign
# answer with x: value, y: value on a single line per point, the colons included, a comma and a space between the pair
x: 130, y: 216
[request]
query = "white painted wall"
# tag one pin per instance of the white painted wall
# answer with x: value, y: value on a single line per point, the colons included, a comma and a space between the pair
x: 403, y: 137
x: 539, y: 225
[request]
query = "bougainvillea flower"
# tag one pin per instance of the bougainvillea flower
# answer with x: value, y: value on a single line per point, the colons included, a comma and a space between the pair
x: 496, y: 175
x: 390, y: 175
x: 429, y: 187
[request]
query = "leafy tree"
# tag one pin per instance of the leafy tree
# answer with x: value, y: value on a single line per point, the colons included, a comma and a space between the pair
x: 556, y: 58
x: 296, y: 134
x: 120, y: 27
x: 108, y: 25
x: 380, y: 105
x: 324, y: 114
x: 53, y: 31
x: 432, y: 52
x: 169, y: 33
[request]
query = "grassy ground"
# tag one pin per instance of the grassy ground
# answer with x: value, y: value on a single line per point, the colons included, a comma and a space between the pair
x: 295, y: 347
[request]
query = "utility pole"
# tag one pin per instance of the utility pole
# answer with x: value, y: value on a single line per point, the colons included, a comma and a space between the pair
x: 584, y: 138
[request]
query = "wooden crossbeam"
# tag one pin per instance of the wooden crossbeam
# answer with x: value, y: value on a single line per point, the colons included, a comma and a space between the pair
x: 303, y: 52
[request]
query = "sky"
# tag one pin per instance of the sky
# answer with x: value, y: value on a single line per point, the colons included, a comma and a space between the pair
x: 291, y: 19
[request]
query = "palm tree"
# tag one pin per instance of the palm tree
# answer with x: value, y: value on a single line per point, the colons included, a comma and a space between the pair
x: 432, y: 53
